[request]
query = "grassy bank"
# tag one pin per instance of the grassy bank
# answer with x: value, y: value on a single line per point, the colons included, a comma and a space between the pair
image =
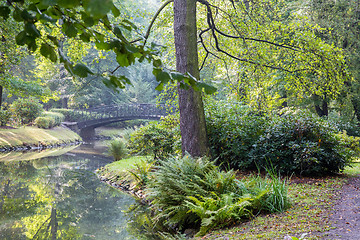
x: 313, y: 201
x: 33, y: 136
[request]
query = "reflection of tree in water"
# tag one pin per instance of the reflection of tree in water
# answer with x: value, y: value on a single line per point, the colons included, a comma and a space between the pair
x: 58, y: 198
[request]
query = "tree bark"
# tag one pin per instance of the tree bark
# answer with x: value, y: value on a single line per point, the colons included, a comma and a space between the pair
x: 192, y: 117
x: 322, y: 110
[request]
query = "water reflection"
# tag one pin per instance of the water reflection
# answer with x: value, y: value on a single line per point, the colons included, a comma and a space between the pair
x: 60, y: 197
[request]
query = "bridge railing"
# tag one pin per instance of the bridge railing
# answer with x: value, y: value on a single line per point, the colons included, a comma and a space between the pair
x: 117, y: 111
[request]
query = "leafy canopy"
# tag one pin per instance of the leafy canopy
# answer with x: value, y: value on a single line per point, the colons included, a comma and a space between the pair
x: 95, y: 21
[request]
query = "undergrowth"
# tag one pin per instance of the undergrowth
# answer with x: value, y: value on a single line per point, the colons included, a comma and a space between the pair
x: 187, y: 192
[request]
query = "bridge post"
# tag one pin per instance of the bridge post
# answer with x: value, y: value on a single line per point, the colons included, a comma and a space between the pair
x: 87, y: 133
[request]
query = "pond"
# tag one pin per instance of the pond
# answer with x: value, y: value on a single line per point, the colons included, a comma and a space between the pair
x: 60, y: 197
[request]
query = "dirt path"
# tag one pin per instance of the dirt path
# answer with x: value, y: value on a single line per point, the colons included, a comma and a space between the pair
x: 346, y: 215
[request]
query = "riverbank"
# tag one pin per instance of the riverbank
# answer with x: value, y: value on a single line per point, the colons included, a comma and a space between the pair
x: 29, y: 137
x: 315, y: 212
x: 117, y: 175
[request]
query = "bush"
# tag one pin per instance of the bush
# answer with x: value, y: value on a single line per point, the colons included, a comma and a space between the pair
x: 117, y: 149
x: 72, y: 115
x: 232, y: 129
x: 299, y: 142
x: 26, y: 110
x: 44, y: 122
x: 187, y: 191
x: 58, y: 117
x: 5, y: 116
x: 161, y: 139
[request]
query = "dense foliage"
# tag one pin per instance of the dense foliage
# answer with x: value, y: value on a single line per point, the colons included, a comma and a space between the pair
x: 233, y: 129
x: 26, y: 110
x: 49, y: 120
x: 302, y: 143
x: 44, y: 122
x: 293, y: 141
x: 160, y: 139
x: 5, y: 116
x: 194, y: 192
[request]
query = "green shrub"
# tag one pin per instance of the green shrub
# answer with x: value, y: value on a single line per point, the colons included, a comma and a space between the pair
x: 299, y: 142
x: 5, y: 116
x: 72, y: 115
x: 58, y: 117
x: 194, y: 192
x: 44, y: 122
x: 26, y: 110
x: 232, y: 129
x: 117, y: 149
x: 161, y: 139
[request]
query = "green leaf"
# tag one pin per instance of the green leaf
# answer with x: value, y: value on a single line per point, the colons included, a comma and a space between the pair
x: 177, y: 76
x: 115, y: 11
x: 160, y: 87
x: 68, y: 3
x: 17, y: 15
x: 163, y: 77
x: 32, y: 30
x: 98, y: 8
x: 81, y: 70
x: 88, y: 21
x: 102, y: 45
x: 31, y: 43
x: 48, y: 51
x: 116, y: 82
x: 46, y: 18
x: 4, y: 12
x: 27, y: 16
x: 132, y: 48
x: 21, y: 38
x: 207, y: 88
x: 69, y: 29
x: 157, y: 63
x: 119, y: 34
x: 85, y: 37
x: 122, y: 59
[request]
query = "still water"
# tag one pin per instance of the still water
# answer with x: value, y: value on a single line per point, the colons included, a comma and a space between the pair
x: 60, y: 197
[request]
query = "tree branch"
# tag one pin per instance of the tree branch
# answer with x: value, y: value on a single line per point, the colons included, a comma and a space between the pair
x: 152, y: 22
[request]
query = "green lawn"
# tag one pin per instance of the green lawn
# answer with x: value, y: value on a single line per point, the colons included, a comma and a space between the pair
x: 33, y: 136
x: 124, y: 165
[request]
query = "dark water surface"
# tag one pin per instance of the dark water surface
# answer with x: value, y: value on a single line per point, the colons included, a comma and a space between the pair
x: 60, y: 197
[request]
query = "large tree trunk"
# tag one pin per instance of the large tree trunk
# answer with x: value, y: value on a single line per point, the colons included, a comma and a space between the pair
x: 192, y: 117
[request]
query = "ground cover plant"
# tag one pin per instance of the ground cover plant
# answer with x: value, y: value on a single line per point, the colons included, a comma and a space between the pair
x: 313, y: 200
x: 187, y: 192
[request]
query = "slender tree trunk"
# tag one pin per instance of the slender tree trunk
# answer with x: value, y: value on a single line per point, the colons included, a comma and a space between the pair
x: 192, y: 117
x: 1, y: 94
x: 321, y: 106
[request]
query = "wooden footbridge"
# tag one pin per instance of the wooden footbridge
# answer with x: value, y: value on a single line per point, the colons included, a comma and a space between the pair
x: 91, y: 118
